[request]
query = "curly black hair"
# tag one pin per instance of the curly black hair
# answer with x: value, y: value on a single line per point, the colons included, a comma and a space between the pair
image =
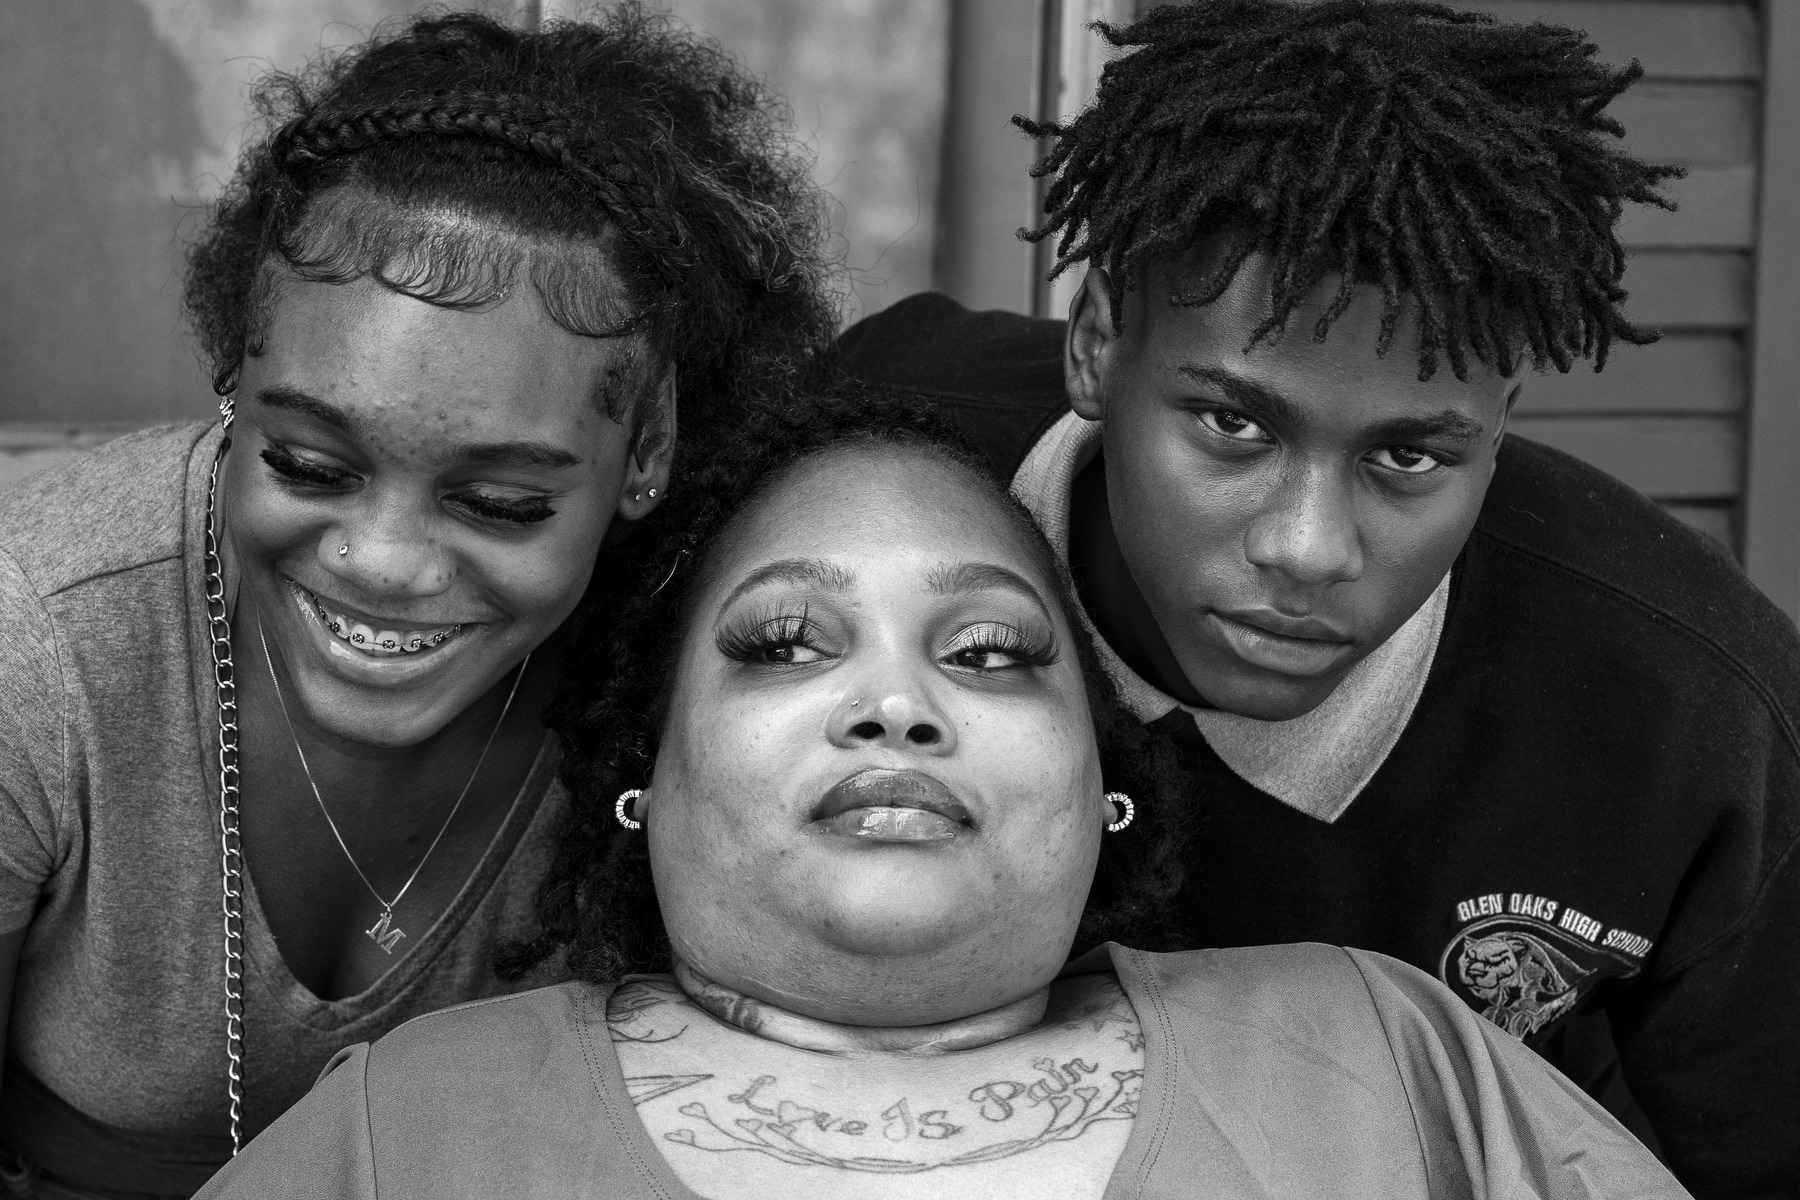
x: 598, y: 900
x: 1448, y: 156
x: 634, y: 174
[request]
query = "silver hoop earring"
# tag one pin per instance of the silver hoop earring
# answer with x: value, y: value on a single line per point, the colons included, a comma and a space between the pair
x: 1127, y: 810
x: 627, y: 797
x: 343, y: 549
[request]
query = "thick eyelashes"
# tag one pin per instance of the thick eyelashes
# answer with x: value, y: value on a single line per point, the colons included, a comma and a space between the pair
x: 794, y: 639
x: 787, y: 639
x: 527, y: 510
x: 291, y: 466
x: 996, y: 646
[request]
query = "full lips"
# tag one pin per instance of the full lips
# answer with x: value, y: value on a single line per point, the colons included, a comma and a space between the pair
x: 885, y: 805
x: 1302, y: 657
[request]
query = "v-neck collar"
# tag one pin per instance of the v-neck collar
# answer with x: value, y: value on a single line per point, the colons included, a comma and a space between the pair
x: 1317, y: 763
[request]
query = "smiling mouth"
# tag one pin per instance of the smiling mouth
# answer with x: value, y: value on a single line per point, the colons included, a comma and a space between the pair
x: 379, y: 642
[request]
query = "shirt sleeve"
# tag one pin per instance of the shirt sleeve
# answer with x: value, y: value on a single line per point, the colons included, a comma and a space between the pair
x: 32, y: 800
x: 320, y: 1149
x: 1496, y: 1122
x: 1711, y: 1052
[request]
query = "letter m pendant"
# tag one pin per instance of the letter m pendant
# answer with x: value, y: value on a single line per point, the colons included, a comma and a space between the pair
x: 385, y: 933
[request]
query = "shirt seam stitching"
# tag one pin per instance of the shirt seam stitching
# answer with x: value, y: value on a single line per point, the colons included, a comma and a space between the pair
x: 62, y: 689
x: 1412, y: 1109
x: 1790, y: 736
x: 1716, y: 944
x: 1165, y: 1104
x: 583, y: 1038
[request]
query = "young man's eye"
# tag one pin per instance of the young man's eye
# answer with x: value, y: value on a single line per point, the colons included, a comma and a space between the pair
x: 291, y: 467
x: 992, y: 646
x: 510, y: 510
x: 1405, y: 460
x: 1235, y: 426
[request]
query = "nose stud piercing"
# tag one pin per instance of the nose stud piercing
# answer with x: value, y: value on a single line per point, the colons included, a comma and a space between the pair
x: 626, y: 798
x: 343, y: 549
x: 1127, y: 810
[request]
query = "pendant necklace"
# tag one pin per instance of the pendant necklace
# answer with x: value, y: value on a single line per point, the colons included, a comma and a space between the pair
x: 384, y: 932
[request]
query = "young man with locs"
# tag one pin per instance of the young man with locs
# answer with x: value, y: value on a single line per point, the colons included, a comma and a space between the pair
x: 1438, y: 692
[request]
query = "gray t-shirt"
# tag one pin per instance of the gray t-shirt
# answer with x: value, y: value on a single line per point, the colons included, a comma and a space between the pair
x: 109, y: 847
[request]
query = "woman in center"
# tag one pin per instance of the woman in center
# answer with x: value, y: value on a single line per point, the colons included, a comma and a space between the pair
x: 861, y: 749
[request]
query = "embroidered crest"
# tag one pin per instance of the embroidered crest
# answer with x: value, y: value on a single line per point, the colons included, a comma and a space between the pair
x: 1525, y: 969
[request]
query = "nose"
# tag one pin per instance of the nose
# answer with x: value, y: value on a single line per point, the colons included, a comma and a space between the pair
x: 389, y: 551
x: 897, y: 715
x: 1307, y: 529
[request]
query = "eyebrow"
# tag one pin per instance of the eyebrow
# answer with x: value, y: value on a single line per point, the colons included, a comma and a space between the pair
x: 967, y: 577
x: 487, y: 454
x: 815, y: 572
x: 1264, y: 402
x: 296, y: 401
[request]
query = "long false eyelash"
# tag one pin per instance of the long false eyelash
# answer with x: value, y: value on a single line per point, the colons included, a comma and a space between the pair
x: 292, y: 467
x: 744, y: 641
x: 1009, y: 640
x: 527, y: 510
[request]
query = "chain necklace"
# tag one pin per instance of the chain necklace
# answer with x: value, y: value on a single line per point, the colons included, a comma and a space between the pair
x: 384, y: 932
x: 231, y: 843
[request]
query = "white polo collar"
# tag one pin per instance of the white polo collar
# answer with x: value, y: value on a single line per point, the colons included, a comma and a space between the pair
x: 1317, y: 763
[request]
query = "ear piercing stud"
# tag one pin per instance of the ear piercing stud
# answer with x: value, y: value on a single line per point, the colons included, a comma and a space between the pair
x: 343, y: 549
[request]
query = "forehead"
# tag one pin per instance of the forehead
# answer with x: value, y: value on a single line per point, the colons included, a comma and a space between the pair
x: 1330, y: 373
x: 881, y: 511
x: 384, y: 357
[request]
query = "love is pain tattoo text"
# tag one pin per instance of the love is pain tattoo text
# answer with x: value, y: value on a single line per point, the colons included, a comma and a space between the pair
x: 1050, y: 1100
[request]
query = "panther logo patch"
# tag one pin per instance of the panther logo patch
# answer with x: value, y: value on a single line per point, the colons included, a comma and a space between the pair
x: 1525, y: 982
x: 1525, y: 970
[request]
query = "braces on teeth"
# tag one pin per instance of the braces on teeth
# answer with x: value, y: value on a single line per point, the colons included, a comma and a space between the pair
x: 392, y: 644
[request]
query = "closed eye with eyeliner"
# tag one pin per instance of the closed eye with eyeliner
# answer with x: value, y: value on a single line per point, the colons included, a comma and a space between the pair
x: 304, y: 473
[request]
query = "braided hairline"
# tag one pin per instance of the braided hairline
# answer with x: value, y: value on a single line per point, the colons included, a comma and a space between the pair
x: 1468, y: 176
x: 521, y: 123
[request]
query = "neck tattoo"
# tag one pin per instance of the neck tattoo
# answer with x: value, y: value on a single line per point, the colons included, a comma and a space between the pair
x: 765, y: 1020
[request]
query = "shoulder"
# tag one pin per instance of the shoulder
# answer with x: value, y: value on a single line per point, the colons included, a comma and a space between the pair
x: 484, y: 1037
x: 119, y: 507
x: 997, y: 374
x: 1572, y: 553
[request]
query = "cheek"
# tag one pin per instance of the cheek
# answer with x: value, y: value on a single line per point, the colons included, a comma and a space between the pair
x: 1176, y: 516
x: 541, y: 579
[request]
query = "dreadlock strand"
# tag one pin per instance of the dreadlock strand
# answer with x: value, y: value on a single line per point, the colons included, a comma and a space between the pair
x: 1460, y: 164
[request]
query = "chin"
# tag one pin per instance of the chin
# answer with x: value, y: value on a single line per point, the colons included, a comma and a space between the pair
x: 1265, y: 697
x: 879, y: 927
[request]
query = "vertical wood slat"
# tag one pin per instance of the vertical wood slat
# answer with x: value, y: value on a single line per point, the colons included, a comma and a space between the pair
x: 984, y: 190
x: 1772, y: 486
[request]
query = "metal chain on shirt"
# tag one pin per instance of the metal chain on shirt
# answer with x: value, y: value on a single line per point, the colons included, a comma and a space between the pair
x: 231, y: 845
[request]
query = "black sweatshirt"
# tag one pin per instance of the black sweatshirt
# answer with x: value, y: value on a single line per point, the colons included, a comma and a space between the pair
x: 1594, y: 808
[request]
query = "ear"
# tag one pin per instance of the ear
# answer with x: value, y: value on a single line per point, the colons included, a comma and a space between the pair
x: 646, y: 479
x: 1091, y: 345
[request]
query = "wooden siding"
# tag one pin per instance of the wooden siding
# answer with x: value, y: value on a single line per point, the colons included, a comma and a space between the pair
x: 1670, y: 418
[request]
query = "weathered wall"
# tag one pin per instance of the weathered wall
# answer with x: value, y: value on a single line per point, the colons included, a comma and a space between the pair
x: 119, y: 119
